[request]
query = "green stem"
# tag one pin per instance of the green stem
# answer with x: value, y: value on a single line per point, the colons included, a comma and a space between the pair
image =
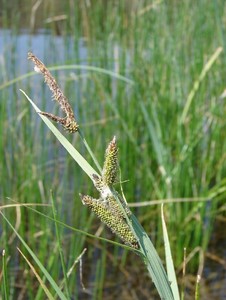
x: 89, y: 150
x: 59, y: 243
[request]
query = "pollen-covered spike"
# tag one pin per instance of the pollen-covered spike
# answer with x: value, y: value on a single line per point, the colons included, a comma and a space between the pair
x: 70, y: 125
x: 113, y: 203
x: 114, y: 207
x: 110, y: 169
x: 115, y: 223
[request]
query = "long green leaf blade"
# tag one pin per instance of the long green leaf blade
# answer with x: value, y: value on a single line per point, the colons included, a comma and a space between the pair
x: 153, y: 262
x: 169, y: 261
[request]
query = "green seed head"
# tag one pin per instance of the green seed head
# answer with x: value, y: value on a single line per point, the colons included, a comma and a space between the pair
x: 110, y: 168
x: 114, y: 222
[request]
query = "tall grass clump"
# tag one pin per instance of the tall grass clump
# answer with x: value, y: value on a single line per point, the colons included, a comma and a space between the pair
x: 142, y: 79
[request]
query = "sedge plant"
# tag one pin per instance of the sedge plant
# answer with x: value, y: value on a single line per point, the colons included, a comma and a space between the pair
x: 111, y: 207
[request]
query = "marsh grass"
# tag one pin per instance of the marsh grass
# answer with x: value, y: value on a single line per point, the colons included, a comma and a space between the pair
x: 160, y: 157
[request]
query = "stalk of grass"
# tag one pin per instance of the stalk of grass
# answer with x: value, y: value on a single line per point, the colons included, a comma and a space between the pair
x: 40, y: 292
x: 89, y: 150
x: 197, y: 288
x: 5, y: 285
x: 197, y: 83
x: 60, y: 250
x: 102, y: 273
x: 97, y: 271
x: 183, y: 286
x: 77, y: 260
x: 42, y: 284
x: 157, y: 145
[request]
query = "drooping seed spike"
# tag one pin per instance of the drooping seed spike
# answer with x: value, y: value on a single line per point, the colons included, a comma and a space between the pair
x: 69, y: 122
x: 52, y: 117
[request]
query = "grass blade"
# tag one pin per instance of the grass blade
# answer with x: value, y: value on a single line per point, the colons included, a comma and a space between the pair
x: 70, y: 67
x: 59, y: 243
x: 197, y: 83
x: 48, y: 294
x: 5, y: 277
x: 153, y: 135
x: 169, y: 261
x: 42, y: 268
x: 197, y: 288
x: 153, y: 262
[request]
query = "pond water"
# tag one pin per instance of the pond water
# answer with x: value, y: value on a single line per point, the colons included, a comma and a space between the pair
x: 15, y: 49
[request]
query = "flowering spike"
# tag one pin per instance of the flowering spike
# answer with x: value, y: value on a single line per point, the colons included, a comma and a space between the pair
x: 110, y: 169
x: 115, y: 223
x: 114, y: 207
x: 123, y: 203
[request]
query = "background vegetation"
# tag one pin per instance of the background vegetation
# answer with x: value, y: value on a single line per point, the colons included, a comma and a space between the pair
x: 169, y: 118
